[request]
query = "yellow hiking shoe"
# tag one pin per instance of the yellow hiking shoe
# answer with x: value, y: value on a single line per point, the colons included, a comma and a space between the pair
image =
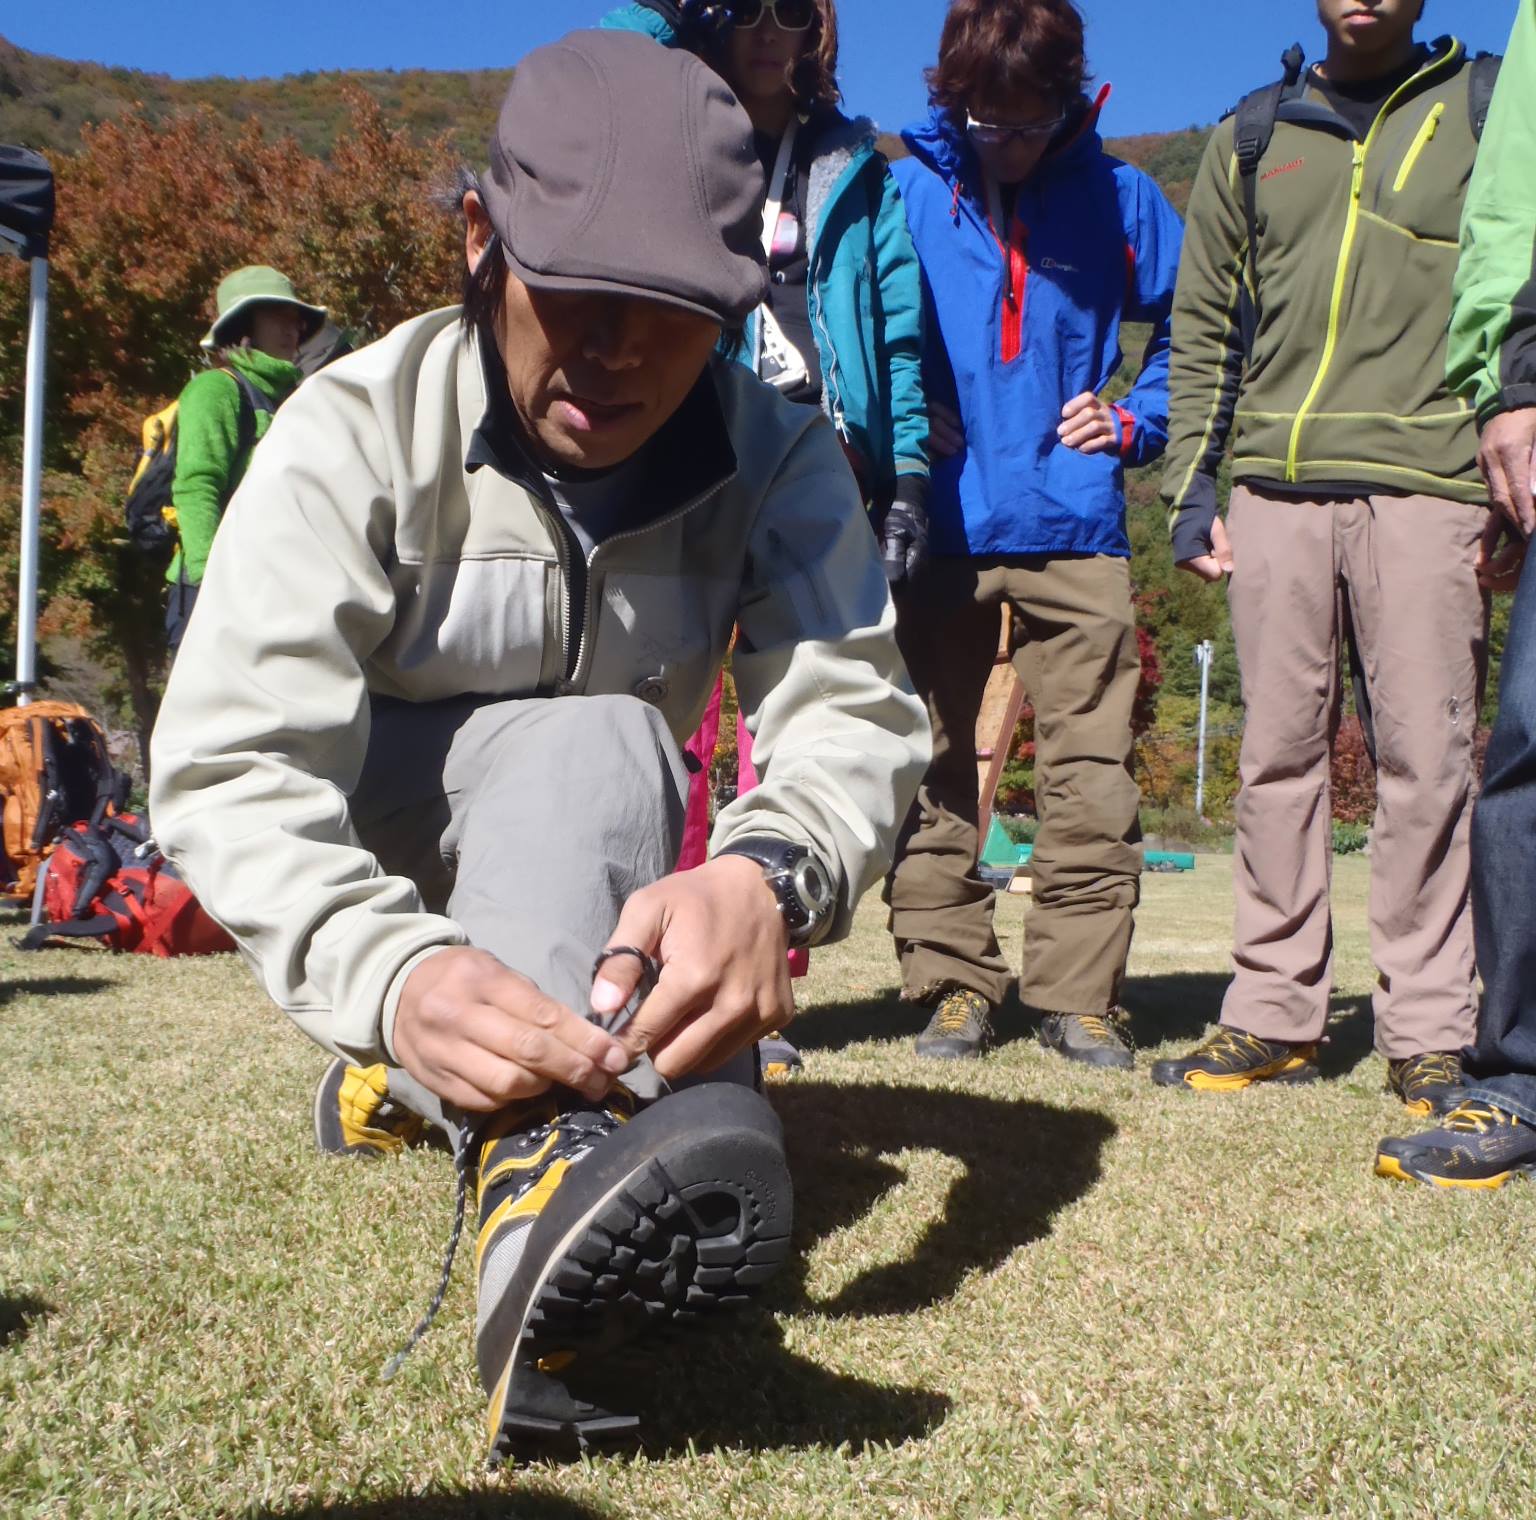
x: 1428, y: 1084
x: 1232, y: 1059
x: 960, y: 1029
x: 1478, y: 1146
x: 355, y: 1116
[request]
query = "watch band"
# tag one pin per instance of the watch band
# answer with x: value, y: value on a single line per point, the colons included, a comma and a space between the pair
x: 800, y: 883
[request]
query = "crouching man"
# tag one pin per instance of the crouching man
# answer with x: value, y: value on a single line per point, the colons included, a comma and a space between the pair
x: 421, y: 756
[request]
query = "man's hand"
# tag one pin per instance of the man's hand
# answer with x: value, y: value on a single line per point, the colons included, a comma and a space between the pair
x: 1089, y: 425
x: 1216, y: 564
x: 1498, y: 568
x: 946, y: 433
x: 480, y: 1035
x: 1507, y: 458
x: 723, y: 948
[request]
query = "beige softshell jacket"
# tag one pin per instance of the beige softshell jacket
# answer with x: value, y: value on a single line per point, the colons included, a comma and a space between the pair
x: 360, y: 557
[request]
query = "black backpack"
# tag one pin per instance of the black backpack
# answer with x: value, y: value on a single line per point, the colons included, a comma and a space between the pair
x: 149, y: 492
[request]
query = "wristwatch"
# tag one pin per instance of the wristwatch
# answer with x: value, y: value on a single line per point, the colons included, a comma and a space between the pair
x: 802, y: 885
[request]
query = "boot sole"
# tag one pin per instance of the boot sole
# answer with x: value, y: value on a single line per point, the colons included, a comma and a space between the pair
x: 687, y: 1212
x: 1391, y: 1167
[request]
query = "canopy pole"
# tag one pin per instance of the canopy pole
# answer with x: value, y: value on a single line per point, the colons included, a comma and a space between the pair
x: 31, y: 485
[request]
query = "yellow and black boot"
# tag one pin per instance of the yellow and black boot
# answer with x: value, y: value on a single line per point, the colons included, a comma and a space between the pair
x: 1476, y: 1146
x: 1232, y: 1059
x: 355, y: 1116
x: 1428, y: 1084
x: 596, y: 1226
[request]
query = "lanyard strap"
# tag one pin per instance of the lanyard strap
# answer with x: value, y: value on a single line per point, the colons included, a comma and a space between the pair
x: 776, y: 184
x: 995, y: 211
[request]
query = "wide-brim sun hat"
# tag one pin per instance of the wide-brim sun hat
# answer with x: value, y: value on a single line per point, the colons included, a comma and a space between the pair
x: 256, y: 285
x: 623, y: 168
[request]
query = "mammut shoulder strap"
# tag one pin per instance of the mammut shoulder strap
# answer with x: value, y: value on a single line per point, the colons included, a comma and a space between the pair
x: 1254, y: 127
x: 1483, y: 76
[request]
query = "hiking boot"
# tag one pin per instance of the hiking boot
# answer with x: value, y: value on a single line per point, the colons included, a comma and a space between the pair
x: 777, y: 1058
x: 1232, y: 1059
x: 355, y: 1116
x: 1095, y: 1039
x: 1478, y: 1146
x: 960, y: 1029
x: 595, y: 1226
x: 1428, y: 1084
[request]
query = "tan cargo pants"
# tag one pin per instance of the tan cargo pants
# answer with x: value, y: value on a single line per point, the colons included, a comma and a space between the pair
x: 1407, y: 568
x: 1075, y: 651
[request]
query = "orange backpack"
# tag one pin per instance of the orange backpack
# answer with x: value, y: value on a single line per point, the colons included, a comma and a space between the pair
x: 54, y: 771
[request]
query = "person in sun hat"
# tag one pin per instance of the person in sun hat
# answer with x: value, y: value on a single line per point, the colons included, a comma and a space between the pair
x: 422, y: 750
x: 224, y: 412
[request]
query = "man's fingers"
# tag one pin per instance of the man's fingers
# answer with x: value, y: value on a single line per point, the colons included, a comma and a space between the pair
x: 1079, y: 403
x: 679, y: 995
x: 573, y: 1051
x: 639, y: 926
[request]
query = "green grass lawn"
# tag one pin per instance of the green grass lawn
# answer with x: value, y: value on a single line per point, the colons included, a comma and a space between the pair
x: 1023, y: 1290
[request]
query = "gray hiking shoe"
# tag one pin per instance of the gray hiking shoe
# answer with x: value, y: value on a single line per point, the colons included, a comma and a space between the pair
x: 960, y: 1028
x: 1094, y: 1039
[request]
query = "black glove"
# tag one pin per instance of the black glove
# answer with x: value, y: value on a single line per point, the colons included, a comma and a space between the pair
x: 904, y: 533
x: 692, y: 21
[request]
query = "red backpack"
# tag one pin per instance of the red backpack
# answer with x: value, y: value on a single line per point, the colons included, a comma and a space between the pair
x: 106, y: 879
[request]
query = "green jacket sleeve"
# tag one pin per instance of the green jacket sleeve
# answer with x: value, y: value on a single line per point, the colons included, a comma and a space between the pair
x: 207, y: 458
x: 1491, y: 353
x: 1207, y: 359
x: 901, y: 304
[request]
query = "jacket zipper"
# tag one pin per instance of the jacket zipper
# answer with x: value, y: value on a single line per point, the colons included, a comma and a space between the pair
x: 1341, y: 270
x: 1018, y: 287
x: 566, y: 547
x: 576, y: 656
x: 829, y: 378
x: 1425, y: 136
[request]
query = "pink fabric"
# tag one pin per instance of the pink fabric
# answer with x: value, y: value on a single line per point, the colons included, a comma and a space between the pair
x: 701, y: 746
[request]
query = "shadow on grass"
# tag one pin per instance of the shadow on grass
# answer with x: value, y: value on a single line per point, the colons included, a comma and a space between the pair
x: 17, y: 1316
x: 445, y: 1505
x: 53, y: 986
x: 1023, y: 1162
x: 1350, y: 1037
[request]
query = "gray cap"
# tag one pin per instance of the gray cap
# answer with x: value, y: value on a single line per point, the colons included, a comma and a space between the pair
x: 625, y: 167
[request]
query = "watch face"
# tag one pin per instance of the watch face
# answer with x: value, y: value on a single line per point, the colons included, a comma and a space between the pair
x: 812, y: 886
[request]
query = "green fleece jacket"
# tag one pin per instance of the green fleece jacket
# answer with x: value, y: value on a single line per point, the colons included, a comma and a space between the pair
x: 1357, y: 248
x: 1492, y: 350
x: 209, y: 459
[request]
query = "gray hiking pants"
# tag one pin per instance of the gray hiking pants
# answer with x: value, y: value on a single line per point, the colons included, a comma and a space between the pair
x: 529, y: 823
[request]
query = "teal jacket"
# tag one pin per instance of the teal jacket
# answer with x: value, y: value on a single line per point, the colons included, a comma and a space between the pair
x: 865, y: 294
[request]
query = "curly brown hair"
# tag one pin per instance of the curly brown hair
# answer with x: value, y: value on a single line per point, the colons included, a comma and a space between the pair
x: 815, y: 75
x: 814, y: 80
x: 991, y: 49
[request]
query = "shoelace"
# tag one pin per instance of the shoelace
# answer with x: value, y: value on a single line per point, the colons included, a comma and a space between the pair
x: 1102, y: 1026
x: 956, y: 1011
x: 1433, y: 1070
x: 1234, y: 1047
x: 465, y: 1162
x: 1475, y: 1119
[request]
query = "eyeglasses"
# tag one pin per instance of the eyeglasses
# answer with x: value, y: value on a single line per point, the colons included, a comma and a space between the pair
x: 788, y: 15
x: 992, y: 134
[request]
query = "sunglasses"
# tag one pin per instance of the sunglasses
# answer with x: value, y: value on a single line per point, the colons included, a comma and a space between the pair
x: 993, y: 134
x: 788, y: 15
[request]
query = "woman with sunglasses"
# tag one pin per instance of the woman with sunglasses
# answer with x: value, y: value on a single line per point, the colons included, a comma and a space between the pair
x: 1035, y: 245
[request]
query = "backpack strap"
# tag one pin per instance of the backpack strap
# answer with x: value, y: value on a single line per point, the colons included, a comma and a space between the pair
x: 1252, y: 132
x: 1480, y: 86
x: 252, y: 400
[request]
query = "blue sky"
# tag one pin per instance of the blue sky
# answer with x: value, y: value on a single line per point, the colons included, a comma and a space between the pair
x: 1172, y: 62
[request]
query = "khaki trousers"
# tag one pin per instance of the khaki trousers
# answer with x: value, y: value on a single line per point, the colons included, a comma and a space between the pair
x: 1075, y: 651
x: 1405, y: 569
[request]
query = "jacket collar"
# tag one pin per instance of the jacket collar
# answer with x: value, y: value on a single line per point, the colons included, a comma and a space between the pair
x: 690, y: 455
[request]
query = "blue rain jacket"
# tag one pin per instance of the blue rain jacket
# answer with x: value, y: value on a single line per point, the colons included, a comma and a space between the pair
x: 1018, y: 325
